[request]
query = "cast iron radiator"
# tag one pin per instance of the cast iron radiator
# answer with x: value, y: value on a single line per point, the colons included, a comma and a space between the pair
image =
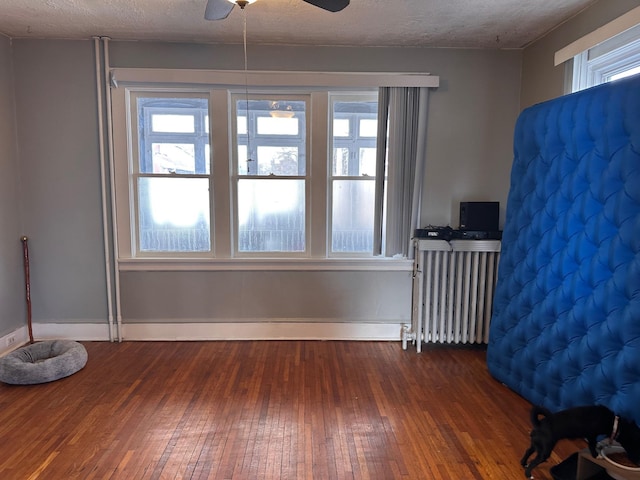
x: 453, y: 284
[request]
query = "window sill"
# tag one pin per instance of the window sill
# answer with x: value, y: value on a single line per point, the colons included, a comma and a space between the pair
x: 268, y: 264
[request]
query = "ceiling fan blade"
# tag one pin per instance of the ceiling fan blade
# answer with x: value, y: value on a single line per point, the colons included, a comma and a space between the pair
x: 330, y: 5
x: 218, y: 9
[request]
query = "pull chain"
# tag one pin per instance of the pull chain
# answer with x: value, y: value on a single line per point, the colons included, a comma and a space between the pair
x: 246, y: 88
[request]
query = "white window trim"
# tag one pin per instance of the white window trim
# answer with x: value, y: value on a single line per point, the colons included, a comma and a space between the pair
x: 218, y: 84
x: 292, y: 79
x: 267, y: 264
x: 611, y: 29
x: 588, y: 72
x: 235, y: 179
x: 124, y: 148
x: 340, y: 97
x: 135, y: 173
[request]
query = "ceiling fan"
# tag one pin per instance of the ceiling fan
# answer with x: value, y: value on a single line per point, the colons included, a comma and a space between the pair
x: 220, y: 9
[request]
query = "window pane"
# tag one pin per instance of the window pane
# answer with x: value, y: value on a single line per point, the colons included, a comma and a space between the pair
x: 173, y: 135
x: 368, y: 127
x: 368, y: 161
x: 354, y: 155
x: 341, y: 127
x: 243, y: 166
x: 271, y: 215
x: 173, y: 214
x: 242, y: 124
x: 625, y: 74
x: 271, y: 137
x: 173, y: 158
x: 279, y: 161
x: 173, y: 123
x: 278, y: 126
x: 340, y: 161
x: 354, y: 152
x: 610, y: 60
x: 352, y: 216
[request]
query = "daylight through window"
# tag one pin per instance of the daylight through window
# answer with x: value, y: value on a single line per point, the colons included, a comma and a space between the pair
x: 171, y: 175
x: 611, y: 60
x: 178, y: 157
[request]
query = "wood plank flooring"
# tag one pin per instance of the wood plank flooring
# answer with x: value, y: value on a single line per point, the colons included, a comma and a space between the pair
x: 268, y: 410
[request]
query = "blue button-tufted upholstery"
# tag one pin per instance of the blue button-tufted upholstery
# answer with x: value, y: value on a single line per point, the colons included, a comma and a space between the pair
x: 565, y: 329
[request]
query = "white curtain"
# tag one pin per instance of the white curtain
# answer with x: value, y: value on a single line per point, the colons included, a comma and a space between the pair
x: 402, y: 112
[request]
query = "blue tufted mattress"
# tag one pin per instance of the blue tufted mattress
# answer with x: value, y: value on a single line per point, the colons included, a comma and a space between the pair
x: 565, y: 329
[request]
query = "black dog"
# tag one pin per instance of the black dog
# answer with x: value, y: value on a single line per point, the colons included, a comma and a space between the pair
x: 580, y: 422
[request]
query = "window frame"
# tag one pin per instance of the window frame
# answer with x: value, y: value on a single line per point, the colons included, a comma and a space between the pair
x: 128, y: 233
x: 219, y: 85
x: 337, y: 97
x: 598, y: 64
x: 198, y: 135
x: 318, y: 179
x: 261, y: 139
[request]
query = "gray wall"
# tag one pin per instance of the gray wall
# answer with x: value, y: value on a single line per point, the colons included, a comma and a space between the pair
x: 469, y: 157
x: 251, y: 296
x: 540, y: 79
x: 60, y: 171
x: 471, y: 121
x: 472, y: 115
x: 12, y: 291
x: 52, y: 193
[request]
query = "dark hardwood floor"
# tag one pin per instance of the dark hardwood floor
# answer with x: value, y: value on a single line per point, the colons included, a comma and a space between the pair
x: 268, y: 410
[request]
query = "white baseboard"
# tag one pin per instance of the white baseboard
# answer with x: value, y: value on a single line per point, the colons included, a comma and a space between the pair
x: 14, y: 340
x: 71, y: 331
x: 54, y: 331
x: 193, y: 331
x: 262, y: 331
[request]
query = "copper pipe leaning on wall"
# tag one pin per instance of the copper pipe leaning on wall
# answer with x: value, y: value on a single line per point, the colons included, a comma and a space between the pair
x: 27, y: 283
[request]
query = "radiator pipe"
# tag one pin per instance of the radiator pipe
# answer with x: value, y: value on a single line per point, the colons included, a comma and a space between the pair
x: 407, y: 336
x: 108, y: 80
x: 103, y: 185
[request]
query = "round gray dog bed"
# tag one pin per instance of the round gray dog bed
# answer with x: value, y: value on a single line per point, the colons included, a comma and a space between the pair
x: 42, y: 362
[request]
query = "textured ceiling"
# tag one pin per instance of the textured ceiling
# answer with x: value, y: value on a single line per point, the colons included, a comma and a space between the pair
x: 432, y: 23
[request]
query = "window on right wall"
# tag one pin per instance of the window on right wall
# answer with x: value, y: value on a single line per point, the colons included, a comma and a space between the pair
x: 615, y: 58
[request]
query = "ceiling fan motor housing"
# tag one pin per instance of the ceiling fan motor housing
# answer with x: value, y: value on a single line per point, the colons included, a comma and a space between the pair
x: 220, y: 9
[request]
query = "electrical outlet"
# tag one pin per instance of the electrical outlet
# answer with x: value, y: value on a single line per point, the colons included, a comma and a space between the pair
x: 11, y: 340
